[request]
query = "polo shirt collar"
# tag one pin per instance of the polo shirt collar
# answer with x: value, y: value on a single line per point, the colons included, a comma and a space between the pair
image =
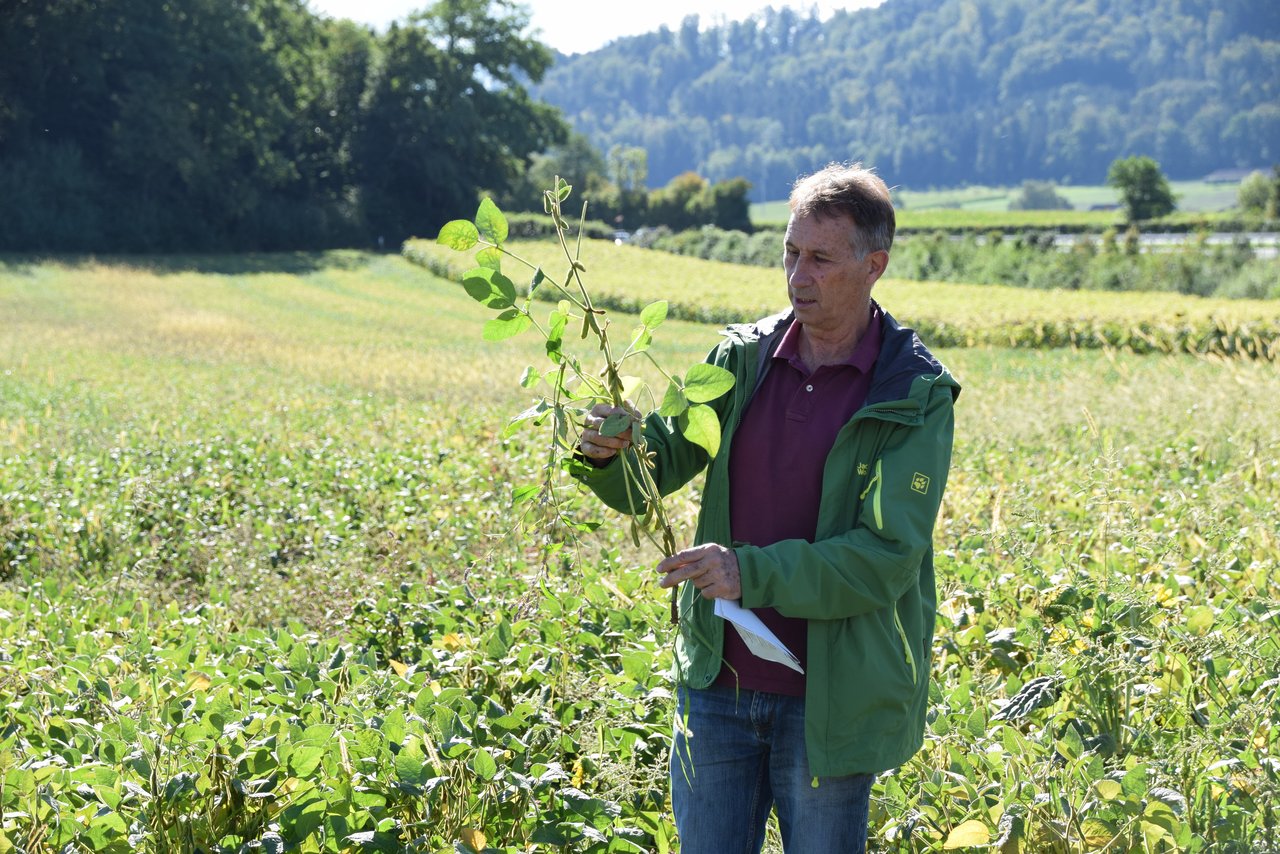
x: 864, y: 355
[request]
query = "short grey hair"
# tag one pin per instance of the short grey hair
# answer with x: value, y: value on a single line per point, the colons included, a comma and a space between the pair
x: 854, y: 191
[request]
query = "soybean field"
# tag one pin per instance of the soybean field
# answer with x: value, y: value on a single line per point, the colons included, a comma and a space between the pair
x: 263, y: 585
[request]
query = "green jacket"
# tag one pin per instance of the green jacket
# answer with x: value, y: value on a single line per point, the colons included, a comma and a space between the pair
x: 865, y: 584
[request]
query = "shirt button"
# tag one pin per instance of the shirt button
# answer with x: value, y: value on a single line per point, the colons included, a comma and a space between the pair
x: 808, y: 388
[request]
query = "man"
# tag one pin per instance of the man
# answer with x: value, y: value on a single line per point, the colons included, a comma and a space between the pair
x: 817, y: 513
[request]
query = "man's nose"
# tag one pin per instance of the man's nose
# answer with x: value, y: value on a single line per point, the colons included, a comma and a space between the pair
x: 800, y: 274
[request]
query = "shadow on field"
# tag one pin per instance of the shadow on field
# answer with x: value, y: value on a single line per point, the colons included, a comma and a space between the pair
x: 230, y: 264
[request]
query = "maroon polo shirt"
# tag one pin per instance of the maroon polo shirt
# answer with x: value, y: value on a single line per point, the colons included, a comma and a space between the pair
x: 775, y: 480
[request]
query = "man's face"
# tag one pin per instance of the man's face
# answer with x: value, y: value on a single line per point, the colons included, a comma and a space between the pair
x: 829, y: 286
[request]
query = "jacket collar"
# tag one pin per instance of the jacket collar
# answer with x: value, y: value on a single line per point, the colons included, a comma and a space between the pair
x: 903, y: 356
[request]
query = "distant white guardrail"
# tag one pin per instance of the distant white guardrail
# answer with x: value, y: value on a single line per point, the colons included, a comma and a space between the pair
x: 1265, y: 244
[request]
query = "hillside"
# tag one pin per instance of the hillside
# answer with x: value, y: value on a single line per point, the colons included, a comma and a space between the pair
x: 941, y: 92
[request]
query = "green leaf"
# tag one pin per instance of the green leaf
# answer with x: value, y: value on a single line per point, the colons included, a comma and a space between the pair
x: 674, y: 402
x: 1070, y: 745
x: 1155, y: 833
x: 491, y: 223
x: 506, y: 325
x: 638, y: 666
x: 454, y: 748
x: 489, y: 287
x: 977, y: 722
x: 1134, y: 782
x: 300, y: 820
x: 483, y: 764
x: 411, y: 767
x: 633, y: 388
x: 1199, y: 619
x: 555, y: 329
x: 653, y: 314
x: 500, y: 640
x: 459, y: 234
x: 563, y: 189
x: 616, y: 424
x: 489, y: 257
x: 706, y: 382
x: 424, y: 702
x: 532, y: 413
x: 305, y: 759
x: 221, y: 710
x: 702, y: 427
x: 523, y: 494
x: 104, y: 829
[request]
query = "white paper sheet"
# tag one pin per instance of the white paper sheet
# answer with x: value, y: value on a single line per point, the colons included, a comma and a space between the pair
x: 756, y: 635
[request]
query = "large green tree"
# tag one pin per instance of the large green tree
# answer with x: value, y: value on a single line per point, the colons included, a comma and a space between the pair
x: 1144, y: 190
x: 446, y: 114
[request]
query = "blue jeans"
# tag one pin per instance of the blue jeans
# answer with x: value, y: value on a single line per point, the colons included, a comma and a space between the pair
x: 735, y: 755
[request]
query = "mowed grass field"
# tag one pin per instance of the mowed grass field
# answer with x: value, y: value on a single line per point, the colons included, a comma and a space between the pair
x: 262, y: 586
x: 920, y: 208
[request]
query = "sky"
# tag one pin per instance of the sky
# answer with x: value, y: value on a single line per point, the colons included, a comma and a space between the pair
x: 577, y: 26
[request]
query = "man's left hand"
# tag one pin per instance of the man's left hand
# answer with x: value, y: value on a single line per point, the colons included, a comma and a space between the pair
x: 712, y: 568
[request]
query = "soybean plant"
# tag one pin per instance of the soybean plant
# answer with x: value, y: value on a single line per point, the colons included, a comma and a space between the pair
x: 575, y: 381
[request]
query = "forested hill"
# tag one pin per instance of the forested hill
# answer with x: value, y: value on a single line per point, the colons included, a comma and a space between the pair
x: 941, y: 92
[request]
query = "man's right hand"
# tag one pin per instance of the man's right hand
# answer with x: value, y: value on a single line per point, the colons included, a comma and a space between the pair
x: 598, y: 447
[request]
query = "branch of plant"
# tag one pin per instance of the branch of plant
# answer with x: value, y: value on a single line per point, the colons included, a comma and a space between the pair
x: 547, y: 279
x: 647, y: 487
x: 575, y: 389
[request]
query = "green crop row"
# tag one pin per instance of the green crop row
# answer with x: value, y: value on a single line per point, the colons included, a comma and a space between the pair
x: 626, y: 278
x: 128, y: 728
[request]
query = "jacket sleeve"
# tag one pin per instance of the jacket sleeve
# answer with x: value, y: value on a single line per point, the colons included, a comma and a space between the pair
x: 876, y: 561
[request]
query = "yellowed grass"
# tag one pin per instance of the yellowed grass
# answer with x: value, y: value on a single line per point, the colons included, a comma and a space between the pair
x: 381, y: 324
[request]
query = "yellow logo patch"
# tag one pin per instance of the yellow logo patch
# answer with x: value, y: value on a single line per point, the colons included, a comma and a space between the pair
x: 863, y: 469
x: 920, y: 483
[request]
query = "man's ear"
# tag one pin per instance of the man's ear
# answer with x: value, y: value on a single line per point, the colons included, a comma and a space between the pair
x: 876, y: 263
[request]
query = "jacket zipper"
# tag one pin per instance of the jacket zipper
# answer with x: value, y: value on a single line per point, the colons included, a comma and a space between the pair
x: 876, y: 483
x: 906, y: 647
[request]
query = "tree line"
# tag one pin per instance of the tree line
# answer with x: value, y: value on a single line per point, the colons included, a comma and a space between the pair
x: 141, y: 125
x: 163, y: 125
x: 941, y: 92
x: 159, y: 125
